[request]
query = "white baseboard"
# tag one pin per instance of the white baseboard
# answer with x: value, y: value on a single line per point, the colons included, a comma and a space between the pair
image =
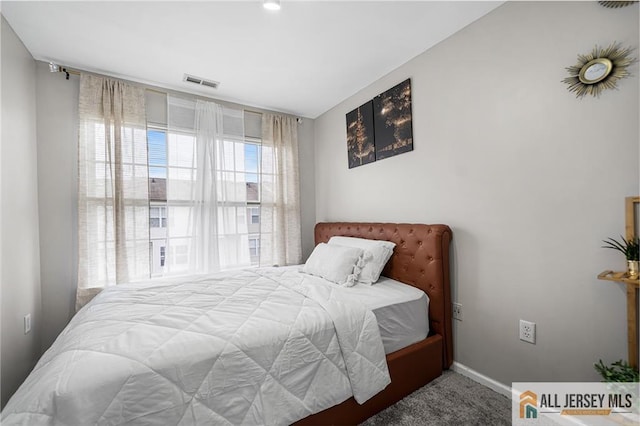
x: 507, y: 391
x: 482, y: 379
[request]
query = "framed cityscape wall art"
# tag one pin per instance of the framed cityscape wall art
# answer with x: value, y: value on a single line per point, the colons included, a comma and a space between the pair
x: 360, y: 135
x: 392, y: 121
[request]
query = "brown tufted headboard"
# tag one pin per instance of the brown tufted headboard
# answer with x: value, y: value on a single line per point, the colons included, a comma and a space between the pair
x: 420, y: 259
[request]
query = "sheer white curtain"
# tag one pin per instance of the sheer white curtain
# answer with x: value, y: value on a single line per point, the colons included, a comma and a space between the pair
x: 206, y: 188
x: 113, y: 200
x: 280, y: 241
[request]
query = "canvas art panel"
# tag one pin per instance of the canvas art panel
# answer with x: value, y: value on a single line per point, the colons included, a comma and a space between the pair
x: 393, y: 124
x: 360, y: 135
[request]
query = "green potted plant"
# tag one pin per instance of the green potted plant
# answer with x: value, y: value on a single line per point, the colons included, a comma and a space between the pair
x: 631, y: 250
x: 618, y: 371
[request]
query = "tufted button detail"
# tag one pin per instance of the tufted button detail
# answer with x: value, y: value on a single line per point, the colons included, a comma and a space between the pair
x: 429, y: 231
x: 421, y: 271
x: 420, y: 243
x: 430, y: 258
x: 413, y: 257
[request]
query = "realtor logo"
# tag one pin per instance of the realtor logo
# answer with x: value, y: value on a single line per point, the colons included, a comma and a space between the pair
x: 583, y: 403
x: 528, y: 405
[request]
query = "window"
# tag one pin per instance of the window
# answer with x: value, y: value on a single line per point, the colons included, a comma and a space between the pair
x: 171, y: 158
x: 157, y: 216
x: 98, y: 206
x: 254, y: 214
x: 254, y: 248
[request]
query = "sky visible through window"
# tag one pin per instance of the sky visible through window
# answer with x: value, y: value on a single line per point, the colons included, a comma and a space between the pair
x: 157, y: 146
x: 251, y: 161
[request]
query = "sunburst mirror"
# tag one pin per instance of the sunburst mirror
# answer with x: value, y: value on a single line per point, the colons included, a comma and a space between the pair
x: 616, y: 4
x: 599, y: 70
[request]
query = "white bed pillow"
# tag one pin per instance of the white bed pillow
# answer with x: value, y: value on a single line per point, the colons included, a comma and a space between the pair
x: 338, y: 264
x: 377, y: 254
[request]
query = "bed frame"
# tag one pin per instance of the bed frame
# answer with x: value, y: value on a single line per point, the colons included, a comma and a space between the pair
x: 420, y: 259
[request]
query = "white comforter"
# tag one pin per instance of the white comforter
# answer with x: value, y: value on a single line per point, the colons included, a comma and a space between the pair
x: 266, y: 346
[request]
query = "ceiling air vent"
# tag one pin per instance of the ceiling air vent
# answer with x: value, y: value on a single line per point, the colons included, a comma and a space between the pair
x: 201, y: 81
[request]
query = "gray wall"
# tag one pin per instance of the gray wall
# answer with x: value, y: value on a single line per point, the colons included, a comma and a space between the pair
x: 529, y: 178
x: 307, y: 185
x: 19, y: 194
x: 57, y: 101
x: 57, y: 196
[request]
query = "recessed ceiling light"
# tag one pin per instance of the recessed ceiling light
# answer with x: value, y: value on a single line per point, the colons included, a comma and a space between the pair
x: 271, y: 4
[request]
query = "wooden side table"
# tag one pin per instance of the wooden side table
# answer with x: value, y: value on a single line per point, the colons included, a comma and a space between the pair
x: 632, y: 310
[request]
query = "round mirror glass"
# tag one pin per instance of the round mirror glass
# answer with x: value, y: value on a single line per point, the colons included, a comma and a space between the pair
x: 595, y: 71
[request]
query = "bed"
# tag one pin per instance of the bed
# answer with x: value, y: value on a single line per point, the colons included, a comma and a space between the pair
x: 261, y: 346
x: 420, y: 259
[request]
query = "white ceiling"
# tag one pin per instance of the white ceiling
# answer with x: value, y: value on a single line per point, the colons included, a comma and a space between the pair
x: 302, y: 60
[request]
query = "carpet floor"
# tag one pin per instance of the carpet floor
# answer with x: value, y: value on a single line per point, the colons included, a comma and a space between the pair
x: 451, y: 399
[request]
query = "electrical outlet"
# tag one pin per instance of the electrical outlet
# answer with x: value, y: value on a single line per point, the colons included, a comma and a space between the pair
x: 27, y: 323
x: 457, y: 311
x: 528, y: 331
